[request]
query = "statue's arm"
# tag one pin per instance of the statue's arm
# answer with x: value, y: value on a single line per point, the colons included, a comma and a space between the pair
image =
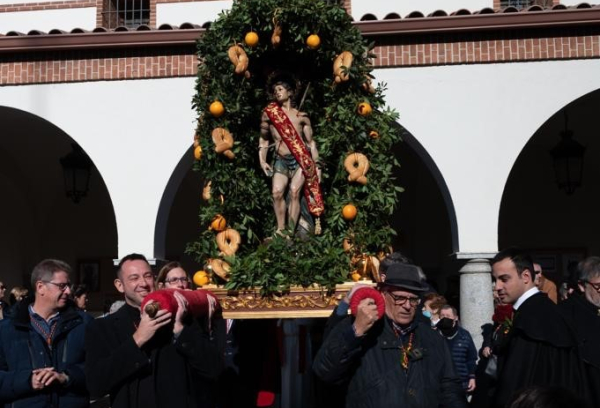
x: 263, y: 145
x: 307, y: 130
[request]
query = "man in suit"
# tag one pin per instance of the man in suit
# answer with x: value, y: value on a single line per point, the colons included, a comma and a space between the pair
x: 539, y: 347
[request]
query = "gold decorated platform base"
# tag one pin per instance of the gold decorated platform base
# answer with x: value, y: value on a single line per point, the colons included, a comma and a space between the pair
x: 300, y: 302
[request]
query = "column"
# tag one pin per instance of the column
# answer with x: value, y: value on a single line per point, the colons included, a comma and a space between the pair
x: 476, y: 300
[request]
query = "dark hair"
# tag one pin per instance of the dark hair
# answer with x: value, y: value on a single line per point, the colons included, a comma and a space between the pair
x: 164, y: 271
x: 437, y: 301
x: 452, y: 308
x: 392, y: 259
x: 588, y: 268
x: 546, y: 397
x: 45, y: 270
x: 17, y: 293
x: 79, y: 290
x: 520, y: 258
x: 130, y: 257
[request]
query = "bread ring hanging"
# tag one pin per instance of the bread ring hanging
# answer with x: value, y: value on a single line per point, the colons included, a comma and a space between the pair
x: 341, y: 66
x: 229, y: 241
x: 276, y: 37
x: 357, y: 165
x: 223, y: 141
x: 220, y: 267
x: 238, y: 58
x: 367, y: 86
x: 206, y: 191
x: 347, y: 244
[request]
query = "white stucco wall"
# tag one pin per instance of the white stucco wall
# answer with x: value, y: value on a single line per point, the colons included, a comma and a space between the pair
x: 475, y: 119
x: 46, y: 20
x: 197, y: 12
x: 574, y: 2
x: 381, y: 8
x: 135, y: 132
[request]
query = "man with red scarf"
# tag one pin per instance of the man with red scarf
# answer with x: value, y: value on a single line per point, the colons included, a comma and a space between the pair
x: 295, y: 160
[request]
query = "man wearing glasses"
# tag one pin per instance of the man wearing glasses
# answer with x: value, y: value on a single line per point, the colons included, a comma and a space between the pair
x: 395, y: 361
x: 142, y: 362
x: 42, y: 345
x: 583, y: 311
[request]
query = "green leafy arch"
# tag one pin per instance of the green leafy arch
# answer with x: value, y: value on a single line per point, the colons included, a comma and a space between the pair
x: 239, y: 190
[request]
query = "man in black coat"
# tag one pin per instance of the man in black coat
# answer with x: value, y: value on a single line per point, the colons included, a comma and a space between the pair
x: 394, y: 361
x: 540, y: 348
x: 159, y: 362
x: 582, y: 310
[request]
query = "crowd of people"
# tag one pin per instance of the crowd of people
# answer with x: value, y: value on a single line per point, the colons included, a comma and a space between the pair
x: 404, y: 347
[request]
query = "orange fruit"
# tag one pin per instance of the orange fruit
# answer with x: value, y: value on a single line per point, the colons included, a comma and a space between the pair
x: 355, y: 276
x: 313, y: 41
x: 251, y: 39
x: 218, y: 223
x: 216, y: 109
x: 201, y: 278
x: 349, y: 212
x: 364, y: 109
x: 374, y: 134
x: 198, y: 153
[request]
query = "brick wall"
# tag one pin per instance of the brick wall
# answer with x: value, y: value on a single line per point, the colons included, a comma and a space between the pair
x: 69, y: 4
x: 391, y: 51
x: 95, y: 66
x: 548, y: 44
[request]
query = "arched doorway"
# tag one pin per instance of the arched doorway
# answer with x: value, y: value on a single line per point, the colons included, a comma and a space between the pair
x: 38, y: 220
x: 558, y: 229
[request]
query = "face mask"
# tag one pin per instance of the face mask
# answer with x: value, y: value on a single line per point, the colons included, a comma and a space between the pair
x: 427, y: 314
x: 446, y: 326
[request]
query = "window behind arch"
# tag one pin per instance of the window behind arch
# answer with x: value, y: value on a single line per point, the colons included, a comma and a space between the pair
x: 127, y: 13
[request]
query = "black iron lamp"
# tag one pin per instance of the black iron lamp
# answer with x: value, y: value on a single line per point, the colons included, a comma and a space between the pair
x: 567, y: 156
x: 77, y: 171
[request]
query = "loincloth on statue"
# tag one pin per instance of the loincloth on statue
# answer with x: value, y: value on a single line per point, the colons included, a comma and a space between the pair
x: 286, y: 165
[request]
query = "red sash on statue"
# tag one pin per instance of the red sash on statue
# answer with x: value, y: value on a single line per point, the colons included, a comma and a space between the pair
x: 289, y: 135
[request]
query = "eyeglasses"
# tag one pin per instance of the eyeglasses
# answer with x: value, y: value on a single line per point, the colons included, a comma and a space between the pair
x: 61, y: 286
x: 174, y: 280
x: 400, y: 300
x: 596, y: 286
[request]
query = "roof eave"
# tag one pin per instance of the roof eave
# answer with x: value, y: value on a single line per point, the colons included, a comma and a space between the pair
x: 379, y: 28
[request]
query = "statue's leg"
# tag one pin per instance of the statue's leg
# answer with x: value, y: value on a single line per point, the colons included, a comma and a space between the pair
x: 295, y: 191
x: 280, y: 182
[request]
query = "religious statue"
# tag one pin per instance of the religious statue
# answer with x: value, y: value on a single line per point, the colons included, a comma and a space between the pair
x: 294, y: 162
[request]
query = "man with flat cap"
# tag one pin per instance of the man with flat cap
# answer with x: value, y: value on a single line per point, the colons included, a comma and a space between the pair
x: 394, y: 361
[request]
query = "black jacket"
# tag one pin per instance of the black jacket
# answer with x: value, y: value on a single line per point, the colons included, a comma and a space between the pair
x: 584, y: 317
x: 372, y: 367
x: 22, y: 349
x: 165, y: 372
x: 539, y: 349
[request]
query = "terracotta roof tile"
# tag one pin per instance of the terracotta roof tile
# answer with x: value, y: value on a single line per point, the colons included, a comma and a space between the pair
x: 415, y: 22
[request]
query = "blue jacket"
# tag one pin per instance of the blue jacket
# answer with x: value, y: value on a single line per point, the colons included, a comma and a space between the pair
x: 464, y: 355
x: 22, y: 350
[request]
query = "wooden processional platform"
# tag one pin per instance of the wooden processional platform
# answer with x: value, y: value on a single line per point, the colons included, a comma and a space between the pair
x: 299, y: 302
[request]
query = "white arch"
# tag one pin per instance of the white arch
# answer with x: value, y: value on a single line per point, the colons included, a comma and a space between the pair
x: 134, y: 131
x: 474, y: 120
